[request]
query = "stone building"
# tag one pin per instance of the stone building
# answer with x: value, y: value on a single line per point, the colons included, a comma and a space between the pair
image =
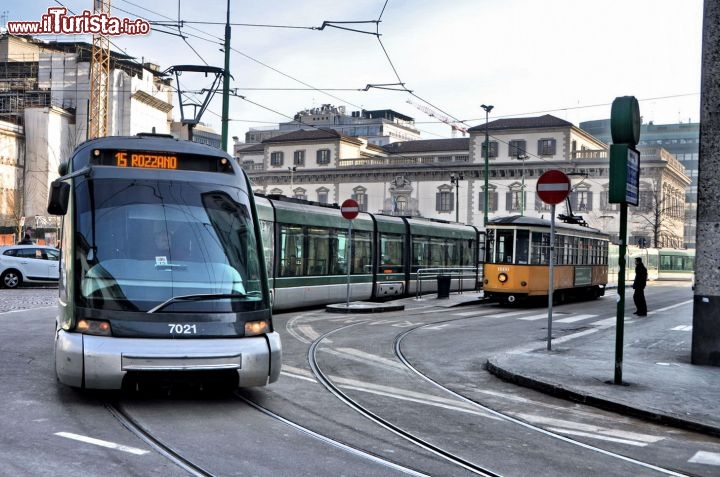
x: 44, y: 97
x: 444, y: 179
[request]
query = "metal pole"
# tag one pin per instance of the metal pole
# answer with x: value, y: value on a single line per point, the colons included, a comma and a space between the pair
x: 455, y: 179
x: 487, y: 109
x: 551, y: 277
x: 349, y: 262
x: 522, y: 189
x: 620, y: 324
x: 226, y: 84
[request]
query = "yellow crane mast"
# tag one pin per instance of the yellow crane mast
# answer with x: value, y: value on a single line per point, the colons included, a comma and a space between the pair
x: 99, y: 77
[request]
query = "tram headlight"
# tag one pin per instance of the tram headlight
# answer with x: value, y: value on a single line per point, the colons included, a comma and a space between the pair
x: 93, y: 327
x: 502, y: 278
x: 253, y: 328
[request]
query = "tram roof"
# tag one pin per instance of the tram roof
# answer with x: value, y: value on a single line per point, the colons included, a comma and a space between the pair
x: 525, y: 221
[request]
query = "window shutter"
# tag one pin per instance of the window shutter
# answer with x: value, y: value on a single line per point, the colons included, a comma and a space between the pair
x: 437, y: 202
x: 508, y: 200
x: 589, y: 200
x: 481, y: 200
x: 451, y: 205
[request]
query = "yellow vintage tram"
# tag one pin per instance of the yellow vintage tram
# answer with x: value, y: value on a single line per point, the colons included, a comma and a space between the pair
x: 517, y: 265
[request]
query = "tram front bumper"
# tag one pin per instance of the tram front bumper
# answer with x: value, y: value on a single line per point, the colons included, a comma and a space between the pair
x: 99, y: 362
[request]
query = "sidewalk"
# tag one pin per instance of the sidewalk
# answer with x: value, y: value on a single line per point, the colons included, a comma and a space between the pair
x: 658, y: 381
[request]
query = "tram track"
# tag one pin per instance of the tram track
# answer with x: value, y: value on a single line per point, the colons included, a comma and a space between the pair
x: 127, y: 421
x: 408, y: 436
x: 507, y: 417
x: 327, y: 382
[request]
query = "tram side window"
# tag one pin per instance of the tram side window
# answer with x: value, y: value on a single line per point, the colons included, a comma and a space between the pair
x: 266, y: 232
x: 522, y: 246
x: 421, y: 253
x: 540, y: 249
x: 504, y: 246
x: 391, y: 250
x: 439, y: 252
x: 338, y: 257
x: 318, y: 251
x: 362, y: 253
x: 292, y: 250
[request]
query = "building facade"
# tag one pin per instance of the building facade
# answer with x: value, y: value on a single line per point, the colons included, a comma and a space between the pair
x: 444, y: 179
x: 681, y: 140
x: 44, y: 98
x: 379, y: 127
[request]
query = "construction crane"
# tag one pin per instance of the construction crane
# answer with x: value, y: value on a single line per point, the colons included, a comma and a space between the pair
x: 99, y: 77
x: 456, y: 126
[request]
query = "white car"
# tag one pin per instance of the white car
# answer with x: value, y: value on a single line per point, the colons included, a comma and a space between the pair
x: 28, y: 264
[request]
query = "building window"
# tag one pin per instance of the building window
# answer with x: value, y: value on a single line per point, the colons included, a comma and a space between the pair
x: 493, y: 149
x: 276, y: 158
x: 322, y: 195
x: 492, y: 200
x: 299, y: 158
x: 546, y: 147
x: 300, y: 193
x: 444, y: 200
x: 581, y: 200
x: 360, y: 196
x: 517, y: 147
x: 323, y: 156
x: 515, y: 198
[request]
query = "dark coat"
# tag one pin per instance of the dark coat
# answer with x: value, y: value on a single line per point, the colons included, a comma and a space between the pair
x: 641, y: 276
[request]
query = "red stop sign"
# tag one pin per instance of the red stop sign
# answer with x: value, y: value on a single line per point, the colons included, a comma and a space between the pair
x: 349, y: 209
x: 553, y: 186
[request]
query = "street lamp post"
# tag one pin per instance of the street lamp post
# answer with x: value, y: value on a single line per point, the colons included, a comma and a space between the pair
x: 455, y: 179
x: 292, y: 170
x: 487, y: 109
x: 522, y: 157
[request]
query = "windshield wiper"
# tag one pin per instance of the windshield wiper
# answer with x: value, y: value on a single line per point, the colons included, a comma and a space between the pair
x: 200, y: 297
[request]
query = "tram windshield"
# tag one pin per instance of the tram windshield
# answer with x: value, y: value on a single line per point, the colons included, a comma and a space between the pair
x: 169, y: 246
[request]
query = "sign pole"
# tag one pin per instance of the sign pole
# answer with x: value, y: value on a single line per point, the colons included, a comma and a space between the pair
x: 349, y: 261
x: 551, y: 277
x: 553, y: 187
x: 620, y: 326
x: 349, y: 209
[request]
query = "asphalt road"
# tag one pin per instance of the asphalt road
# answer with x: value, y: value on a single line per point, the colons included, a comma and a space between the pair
x: 306, y: 429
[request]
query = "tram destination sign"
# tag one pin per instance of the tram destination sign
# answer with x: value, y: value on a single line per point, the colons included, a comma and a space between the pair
x: 553, y: 186
x: 136, y: 159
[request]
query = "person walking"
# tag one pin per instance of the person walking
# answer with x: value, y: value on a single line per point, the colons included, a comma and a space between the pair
x: 638, y: 285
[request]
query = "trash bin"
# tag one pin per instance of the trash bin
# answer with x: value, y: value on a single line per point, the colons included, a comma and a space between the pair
x: 443, y: 286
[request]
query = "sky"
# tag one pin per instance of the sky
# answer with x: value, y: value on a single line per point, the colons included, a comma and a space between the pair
x: 568, y: 58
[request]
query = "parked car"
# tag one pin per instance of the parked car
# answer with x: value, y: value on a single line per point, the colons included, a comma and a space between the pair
x: 28, y: 264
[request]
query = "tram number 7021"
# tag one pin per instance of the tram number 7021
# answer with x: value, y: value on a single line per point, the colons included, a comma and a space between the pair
x: 182, y: 329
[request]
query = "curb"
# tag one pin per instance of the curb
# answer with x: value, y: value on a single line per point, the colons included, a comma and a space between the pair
x: 601, y: 403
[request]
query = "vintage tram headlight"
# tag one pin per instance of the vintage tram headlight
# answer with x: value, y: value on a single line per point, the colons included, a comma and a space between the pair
x: 93, y: 327
x: 502, y: 278
x: 253, y: 328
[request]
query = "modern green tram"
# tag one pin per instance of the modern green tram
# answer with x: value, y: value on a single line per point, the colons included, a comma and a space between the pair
x: 162, y: 270
x: 306, y: 247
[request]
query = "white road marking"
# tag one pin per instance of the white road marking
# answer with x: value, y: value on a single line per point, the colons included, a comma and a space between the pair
x: 612, y: 321
x: 534, y: 317
x: 580, y: 427
x: 597, y: 436
x: 682, y: 328
x: 575, y: 318
x: 98, y: 442
x: 504, y: 315
x: 704, y: 457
